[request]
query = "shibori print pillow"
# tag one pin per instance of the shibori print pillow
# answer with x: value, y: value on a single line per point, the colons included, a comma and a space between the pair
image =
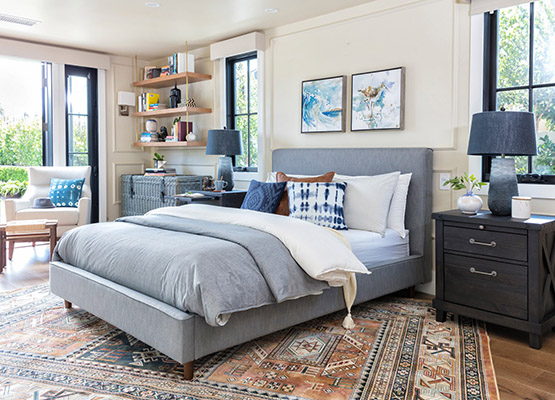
x: 318, y: 202
x: 65, y: 192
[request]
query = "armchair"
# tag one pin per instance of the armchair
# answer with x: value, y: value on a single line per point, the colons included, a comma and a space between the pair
x: 39, y: 186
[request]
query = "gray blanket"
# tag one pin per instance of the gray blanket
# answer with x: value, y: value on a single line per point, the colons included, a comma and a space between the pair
x: 206, y: 268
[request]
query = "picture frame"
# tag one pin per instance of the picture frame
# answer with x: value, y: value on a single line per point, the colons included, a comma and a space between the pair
x: 378, y: 100
x: 323, y: 105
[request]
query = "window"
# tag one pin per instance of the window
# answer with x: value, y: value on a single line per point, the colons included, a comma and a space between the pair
x: 242, y: 107
x: 25, y: 103
x: 519, y: 75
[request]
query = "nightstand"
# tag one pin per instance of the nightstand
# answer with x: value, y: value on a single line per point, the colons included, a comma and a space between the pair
x: 231, y: 198
x: 497, y: 269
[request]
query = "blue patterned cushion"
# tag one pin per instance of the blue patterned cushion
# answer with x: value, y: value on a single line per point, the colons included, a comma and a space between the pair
x: 263, y: 196
x: 65, y: 192
x: 318, y: 202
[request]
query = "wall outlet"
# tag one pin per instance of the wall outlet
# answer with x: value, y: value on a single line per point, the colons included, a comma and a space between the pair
x: 442, y: 179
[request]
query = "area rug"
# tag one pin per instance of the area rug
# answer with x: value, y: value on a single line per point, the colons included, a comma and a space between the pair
x: 396, y: 351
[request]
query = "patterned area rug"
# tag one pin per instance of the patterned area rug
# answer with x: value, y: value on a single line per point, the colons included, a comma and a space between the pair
x: 397, y: 351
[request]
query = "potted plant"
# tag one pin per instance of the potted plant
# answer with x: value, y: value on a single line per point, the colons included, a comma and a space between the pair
x: 159, y: 161
x: 468, y: 203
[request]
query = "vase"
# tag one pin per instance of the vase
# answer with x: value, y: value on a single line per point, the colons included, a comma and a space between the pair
x: 469, y: 203
x: 160, y: 164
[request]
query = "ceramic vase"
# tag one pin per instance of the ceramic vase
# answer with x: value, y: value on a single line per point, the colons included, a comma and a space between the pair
x: 469, y: 203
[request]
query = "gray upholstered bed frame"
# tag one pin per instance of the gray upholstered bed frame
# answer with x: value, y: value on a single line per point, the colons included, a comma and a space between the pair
x: 185, y: 337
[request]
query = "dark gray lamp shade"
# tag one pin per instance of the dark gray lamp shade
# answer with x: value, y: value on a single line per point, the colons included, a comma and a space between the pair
x: 512, y: 133
x: 224, y: 142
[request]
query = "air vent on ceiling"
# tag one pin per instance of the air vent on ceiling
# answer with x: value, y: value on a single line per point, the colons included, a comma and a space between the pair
x: 18, y: 20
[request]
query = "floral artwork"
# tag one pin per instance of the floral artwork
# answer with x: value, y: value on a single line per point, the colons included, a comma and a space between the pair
x: 323, y: 105
x: 377, y: 100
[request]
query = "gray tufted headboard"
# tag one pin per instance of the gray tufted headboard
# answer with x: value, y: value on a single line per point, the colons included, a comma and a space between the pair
x: 373, y: 161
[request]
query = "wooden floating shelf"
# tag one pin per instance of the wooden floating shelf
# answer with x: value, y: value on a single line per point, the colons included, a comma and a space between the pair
x: 172, y: 112
x: 171, y: 80
x: 170, y: 144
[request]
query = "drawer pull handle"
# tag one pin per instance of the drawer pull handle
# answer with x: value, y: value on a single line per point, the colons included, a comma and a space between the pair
x: 491, y: 244
x: 474, y: 271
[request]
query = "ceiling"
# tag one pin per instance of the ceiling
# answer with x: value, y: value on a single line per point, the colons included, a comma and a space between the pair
x: 129, y: 27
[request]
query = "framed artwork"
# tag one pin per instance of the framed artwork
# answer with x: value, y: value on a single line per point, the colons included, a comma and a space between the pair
x: 323, y: 105
x: 378, y: 100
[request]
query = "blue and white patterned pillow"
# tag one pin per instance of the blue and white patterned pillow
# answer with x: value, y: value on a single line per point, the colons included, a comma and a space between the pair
x: 318, y: 202
x: 65, y: 192
x: 263, y: 197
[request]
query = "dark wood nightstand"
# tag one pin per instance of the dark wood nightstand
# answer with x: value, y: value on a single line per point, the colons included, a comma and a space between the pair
x: 231, y: 198
x: 497, y: 269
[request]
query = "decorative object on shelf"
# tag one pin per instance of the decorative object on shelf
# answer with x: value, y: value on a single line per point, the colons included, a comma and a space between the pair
x: 190, y: 102
x: 163, y: 134
x: 175, y: 97
x: 378, y: 100
x: 224, y: 142
x: 521, y: 207
x: 159, y: 162
x: 151, y: 125
x: 468, y: 203
x: 502, y: 133
x: 184, y: 129
x: 125, y: 100
x: 323, y: 105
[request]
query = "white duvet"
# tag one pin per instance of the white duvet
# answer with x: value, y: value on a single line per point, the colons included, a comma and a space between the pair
x: 318, y: 251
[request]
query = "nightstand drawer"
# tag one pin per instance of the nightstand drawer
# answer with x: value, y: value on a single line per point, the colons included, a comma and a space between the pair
x: 495, y: 244
x: 487, y: 285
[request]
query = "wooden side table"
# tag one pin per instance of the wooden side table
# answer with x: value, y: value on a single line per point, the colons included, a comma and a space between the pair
x: 497, y: 269
x: 26, y: 231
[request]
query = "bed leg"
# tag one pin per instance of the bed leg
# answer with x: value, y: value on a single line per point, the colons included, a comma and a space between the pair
x: 67, y: 304
x: 412, y: 292
x: 188, y: 369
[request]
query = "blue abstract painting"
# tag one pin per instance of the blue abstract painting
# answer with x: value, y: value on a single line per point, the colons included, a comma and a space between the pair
x: 377, y: 100
x: 323, y: 105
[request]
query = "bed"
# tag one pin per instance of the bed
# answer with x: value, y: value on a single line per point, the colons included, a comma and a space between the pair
x: 185, y: 336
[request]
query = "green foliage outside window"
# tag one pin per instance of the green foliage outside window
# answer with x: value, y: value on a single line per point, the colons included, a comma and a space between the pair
x: 242, y: 106
x: 513, y: 71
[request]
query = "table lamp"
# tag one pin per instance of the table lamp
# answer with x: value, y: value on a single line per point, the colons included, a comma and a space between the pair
x: 502, y: 133
x: 224, y: 142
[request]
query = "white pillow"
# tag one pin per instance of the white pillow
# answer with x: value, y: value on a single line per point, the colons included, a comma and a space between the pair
x: 396, y: 216
x: 367, y: 200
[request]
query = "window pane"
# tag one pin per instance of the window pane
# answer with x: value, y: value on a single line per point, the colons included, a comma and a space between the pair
x: 78, y: 159
x: 20, y: 112
x: 78, y: 133
x: 521, y: 164
x: 513, y: 46
x: 544, y: 41
x: 253, y: 95
x: 77, y: 95
x: 544, y: 110
x: 241, y: 124
x: 241, y: 87
x: 513, y: 100
x: 254, y: 141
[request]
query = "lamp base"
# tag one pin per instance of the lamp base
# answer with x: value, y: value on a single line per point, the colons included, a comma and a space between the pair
x: 225, y: 172
x: 503, y: 185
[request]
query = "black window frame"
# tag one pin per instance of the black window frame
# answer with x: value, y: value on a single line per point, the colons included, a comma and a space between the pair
x: 490, y: 88
x: 230, y: 102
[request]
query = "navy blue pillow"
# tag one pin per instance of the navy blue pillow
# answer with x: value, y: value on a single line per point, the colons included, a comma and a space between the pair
x: 263, y: 197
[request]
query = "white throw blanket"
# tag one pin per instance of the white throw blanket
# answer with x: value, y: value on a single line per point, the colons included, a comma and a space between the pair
x: 318, y: 251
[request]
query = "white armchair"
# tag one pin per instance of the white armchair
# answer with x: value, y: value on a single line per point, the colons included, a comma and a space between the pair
x: 39, y: 186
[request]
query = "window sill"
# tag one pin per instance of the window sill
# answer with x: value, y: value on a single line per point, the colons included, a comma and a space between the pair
x: 247, y: 176
x: 528, y: 189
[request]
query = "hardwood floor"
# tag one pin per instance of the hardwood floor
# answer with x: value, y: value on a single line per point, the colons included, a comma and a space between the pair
x: 522, y: 372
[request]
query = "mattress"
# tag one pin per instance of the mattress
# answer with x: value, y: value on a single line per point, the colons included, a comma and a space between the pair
x: 371, y: 248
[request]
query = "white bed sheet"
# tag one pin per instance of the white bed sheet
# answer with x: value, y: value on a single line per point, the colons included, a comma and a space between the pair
x: 372, y: 248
